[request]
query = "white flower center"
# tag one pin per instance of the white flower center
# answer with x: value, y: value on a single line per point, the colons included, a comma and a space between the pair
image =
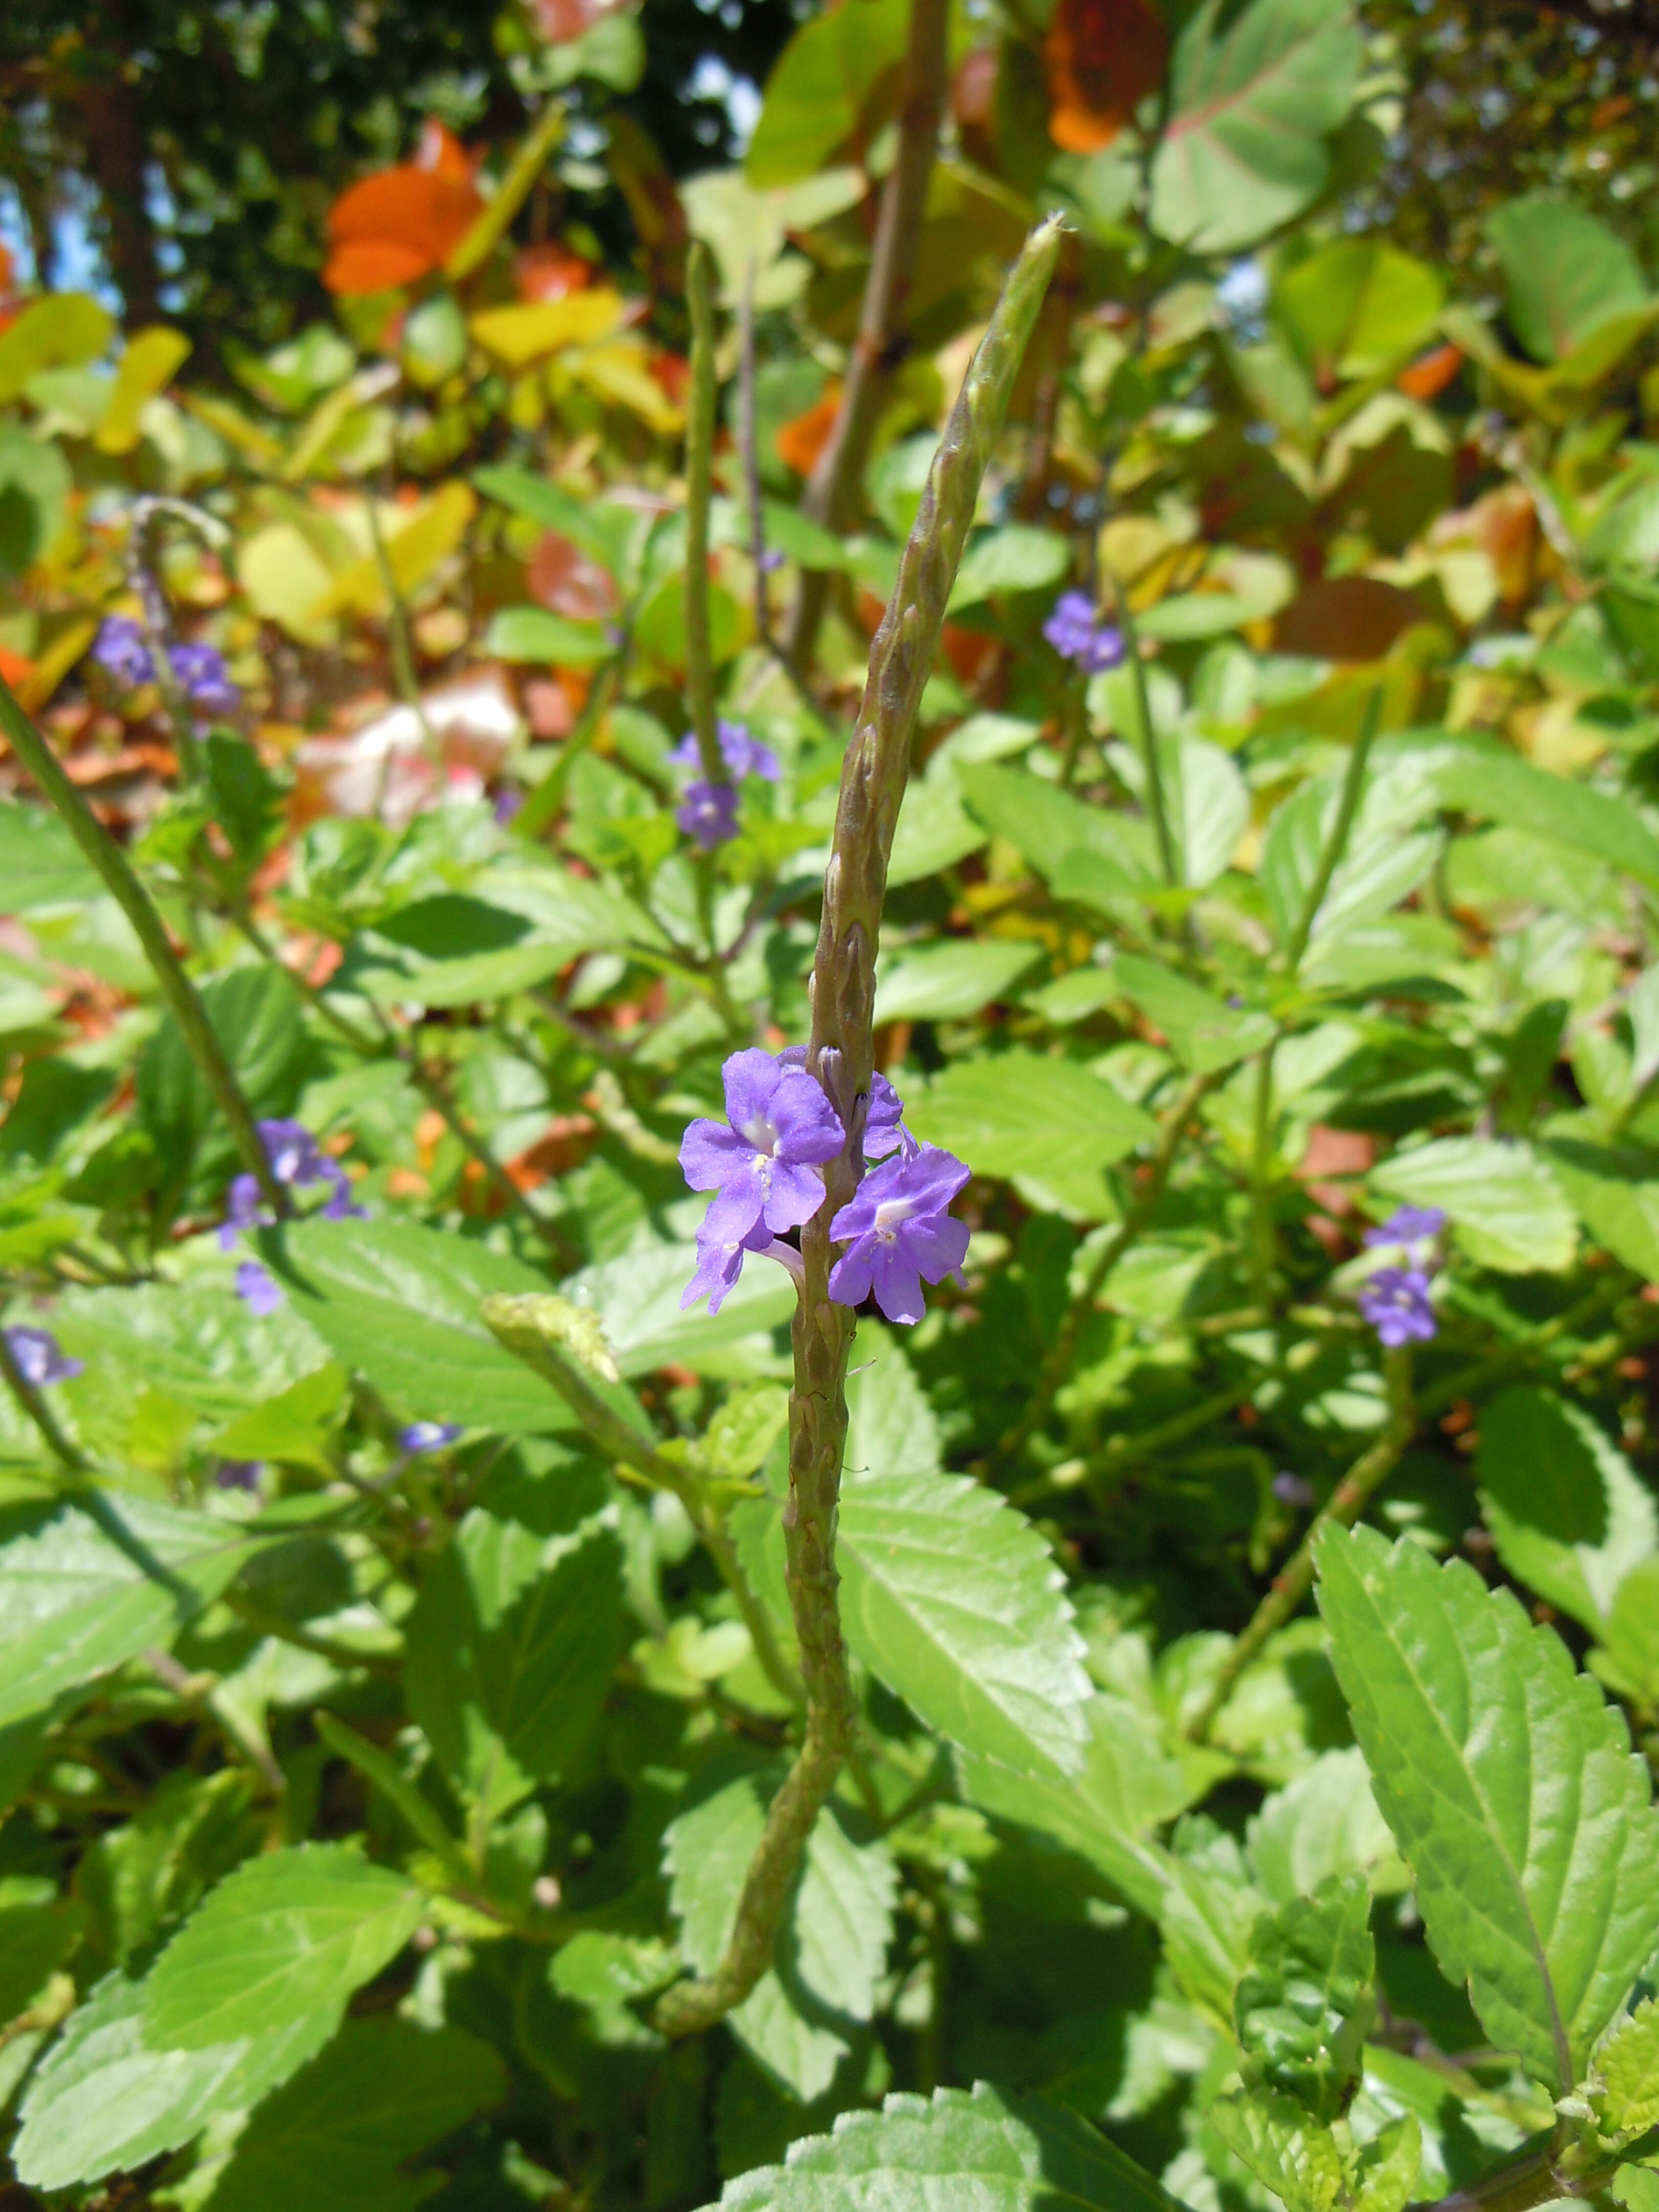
x: 890, y: 1214
x: 762, y: 1136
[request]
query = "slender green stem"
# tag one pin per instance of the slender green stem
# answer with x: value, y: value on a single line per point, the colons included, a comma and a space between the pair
x: 1151, y: 767
x: 143, y: 576
x: 1057, y: 1362
x: 530, y: 1328
x: 748, y: 440
x: 1479, y: 1373
x: 1340, y: 1510
x: 841, y: 1054
x: 404, y: 681
x: 1264, y: 1242
x: 135, y: 902
x: 33, y: 1403
x: 1330, y: 857
x: 699, y: 493
x: 509, y: 196
x: 545, y: 798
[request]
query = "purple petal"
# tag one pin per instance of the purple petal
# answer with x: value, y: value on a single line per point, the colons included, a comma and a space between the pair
x: 793, y: 1195
x: 429, y: 1436
x: 850, y: 1277
x: 752, y: 1079
x: 809, y: 1128
x: 258, y: 1290
x: 708, y: 814
x: 711, y: 1155
x: 719, y: 1265
x: 897, y: 1282
x: 736, y: 1212
x: 938, y: 1246
x: 40, y: 1358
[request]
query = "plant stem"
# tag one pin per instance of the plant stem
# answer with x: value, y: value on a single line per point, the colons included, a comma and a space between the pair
x: 33, y: 1403
x: 521, y: 1324
x: 1354, y: 785
x: 1151, y: 766
x: 1264, y: 1247
x: 699, y: 492
x: 157, y: 625
x: 1057, y: 1362
x: 747, y: 439
x: 545, y: 798
x: 404, y: 681
x: 834, y: 483
x: 1340, y: 1510
x: 841, y: 1055
x: 135, y: 902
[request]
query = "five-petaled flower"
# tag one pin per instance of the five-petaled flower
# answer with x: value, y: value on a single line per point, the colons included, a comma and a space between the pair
x: 296, y: 1161
x: 1396, y: 1301
x: 1078, y: 635
x: 707, y: 812
x: 40, y: 1358
x: 900, y: 1233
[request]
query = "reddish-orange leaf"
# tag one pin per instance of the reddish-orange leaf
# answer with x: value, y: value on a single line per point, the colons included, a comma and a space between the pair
x: 15, y: 667
x: 1431, y: 373
x: 799, y: 442
x: 551, y: 272
x: 441, y: 153
x: 563, y: 578
x: 407, y: 219
x: 1102, y: 57
x: 373, y: 264
x: 560, y: 21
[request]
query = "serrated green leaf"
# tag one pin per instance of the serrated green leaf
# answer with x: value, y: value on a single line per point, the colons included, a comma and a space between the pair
x: 105, y: 2101
x: 1288, y: 2153
x: 399, y: 1303
x: 891, y: 1428
x: 832, y: 1947
x: 1384, y: 2174
x: 1048, y: 1124
x: 339, y: 2137
x: 1506, y: 1208
x: 997, y: 2153
x: 512, y: 1643
x: 1210, y: 1911
x: 288, y: 1935
x: 952, y: 1600
x: 950, y: 978
x: 1627, y: 2073
x: 194, y: 1343
x: 1510, y: 1788
x: 1050, y: 826
x: 1324, y: 1822
x: 637, y: 1295
x: 1567, y: 1511
x: 1204, y: 1034
x: 1303, y: 2005
x: 89, y: 1586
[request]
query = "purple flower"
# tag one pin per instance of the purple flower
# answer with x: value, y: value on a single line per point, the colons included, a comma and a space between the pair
x: 1396, y: 1301
x: 238, y: 1474
x: 743, y: 755
x: 1292, y: 1489
x: 1408, y: 1224
x: 205, y: 679
x: 708, y: 814
x: 259, y: 1291
x: 763, y: 1169
x: 883, y: 1122
x: 1079, y: 636
x: 770, y: 560
x: 296, y: 1161
x: 121, y: 649
x: 899, y: 1234
x: 429, y: 1436
x: 38, y: 1358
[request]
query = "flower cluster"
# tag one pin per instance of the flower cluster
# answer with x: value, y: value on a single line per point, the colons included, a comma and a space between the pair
x: 764, y: 1164
x: 1395, y: 1299
x: 709, y: 812
x: 1078, y: 635
x: 296, y: 1161
x: 39, y: 1357
x: 199, y: 670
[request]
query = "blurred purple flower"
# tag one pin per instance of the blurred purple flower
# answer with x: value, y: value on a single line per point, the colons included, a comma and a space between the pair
x: 40, y: 1358
x: 205, y: 678
x: 1293, y: 1489
x: 429, y: 1436
x: 259, y: 1291
x: 708, y: 814
x: 899, y: 1233
x: 296, y: 1161
x: 239, y: 1474
x: 1396, y: 1301
x: 120, y: 649
x: 743, y: 755
x: 1078, y: 635
x: 770, y: 560
x: 1408, y: 1224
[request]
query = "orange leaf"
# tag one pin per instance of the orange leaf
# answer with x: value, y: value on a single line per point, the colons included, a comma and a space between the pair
x: 549, y: 272
x: 6, y: 266
x: 373, y: 264
x: 15, y: 667
x: 1102, y: 57
x: 563, y: 578
x: 1430, y: 373
x: 799, y: 442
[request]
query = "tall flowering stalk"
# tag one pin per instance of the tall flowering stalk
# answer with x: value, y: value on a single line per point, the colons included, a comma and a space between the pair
x: 840, y: 1057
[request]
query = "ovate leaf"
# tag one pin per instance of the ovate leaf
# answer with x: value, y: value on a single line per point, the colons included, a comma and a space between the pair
x: 1511, y: 1790
x: 1505, y: 1206
x: 952, y: 1600
x: 287, y: 1936
x: 978, y: 2147
x: 1567, y: 275
x: 1254, y: 92
x: 340, y: 2136
x: 1048, y: 1124
x: 512, y: 1645
x: 1570, y: 1516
